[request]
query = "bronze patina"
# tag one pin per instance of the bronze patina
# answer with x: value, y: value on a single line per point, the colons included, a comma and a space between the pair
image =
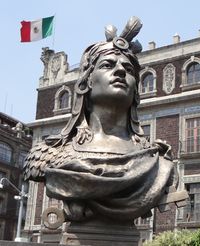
x: 101, y: 164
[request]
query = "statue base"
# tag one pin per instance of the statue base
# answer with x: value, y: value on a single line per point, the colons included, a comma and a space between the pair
x: 101, y: 233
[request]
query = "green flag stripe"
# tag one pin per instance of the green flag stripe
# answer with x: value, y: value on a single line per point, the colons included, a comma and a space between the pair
x: 47, y: 26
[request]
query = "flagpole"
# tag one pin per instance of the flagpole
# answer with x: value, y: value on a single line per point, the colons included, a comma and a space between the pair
x: 54, y: 30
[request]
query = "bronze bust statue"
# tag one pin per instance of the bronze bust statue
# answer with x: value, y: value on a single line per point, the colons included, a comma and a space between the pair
x: 101, y: 164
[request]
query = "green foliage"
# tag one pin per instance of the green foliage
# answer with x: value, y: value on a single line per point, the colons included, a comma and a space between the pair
x: 178, y: 238
x: 195, y: 239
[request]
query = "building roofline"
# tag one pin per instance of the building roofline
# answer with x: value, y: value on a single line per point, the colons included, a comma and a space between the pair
x: 182, y: 43
x: 10, y: 118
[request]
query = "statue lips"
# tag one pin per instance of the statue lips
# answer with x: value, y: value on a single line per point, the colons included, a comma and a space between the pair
x: 119, y: 82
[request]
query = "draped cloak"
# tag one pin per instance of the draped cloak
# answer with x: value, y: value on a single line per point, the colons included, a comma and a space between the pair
x: 122, y: 187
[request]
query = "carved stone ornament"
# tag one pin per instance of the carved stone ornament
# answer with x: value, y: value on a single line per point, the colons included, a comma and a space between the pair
x: 45, y: 58
x: 56, y: 65
x: 169, y: 78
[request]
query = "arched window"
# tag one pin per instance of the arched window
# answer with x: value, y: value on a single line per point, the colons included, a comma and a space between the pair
x: 64, y: 100
x: 147, y: 83
x: 193, y: 73
x: 147, y: 86
x: 22, y: 156
x: 5, y: 152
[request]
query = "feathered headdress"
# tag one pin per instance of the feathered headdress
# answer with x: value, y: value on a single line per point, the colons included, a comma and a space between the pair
x: 131, y: 30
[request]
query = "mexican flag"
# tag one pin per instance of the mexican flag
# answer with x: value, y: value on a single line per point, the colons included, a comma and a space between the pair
x: 36, y: 30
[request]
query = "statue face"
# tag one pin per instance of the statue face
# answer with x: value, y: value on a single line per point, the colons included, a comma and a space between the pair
x: 113, y: 80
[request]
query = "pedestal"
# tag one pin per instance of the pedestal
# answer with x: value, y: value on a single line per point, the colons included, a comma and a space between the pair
x: 101, y: 233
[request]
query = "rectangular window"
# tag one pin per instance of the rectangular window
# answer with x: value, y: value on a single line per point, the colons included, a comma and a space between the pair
x: 5, y: 152
x: 192, y: 135
x: 146, y: 129
x: 2, y: 175
x: 2, y: 195
x: 192, y: 210
x: 2, y: 228
x: 2, y: 203
x: 140, y: 221
x: 22, y: 156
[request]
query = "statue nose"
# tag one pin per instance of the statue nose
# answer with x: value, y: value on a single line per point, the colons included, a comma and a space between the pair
x: 120, y: 70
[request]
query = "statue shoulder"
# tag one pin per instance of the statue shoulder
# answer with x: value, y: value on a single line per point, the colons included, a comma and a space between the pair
x: 43, y: 155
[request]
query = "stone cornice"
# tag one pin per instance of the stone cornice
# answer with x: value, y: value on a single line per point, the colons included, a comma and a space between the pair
x: 50, y: 120
x: 58, y: 85
x: 180, y: 97
x: 191, y: 179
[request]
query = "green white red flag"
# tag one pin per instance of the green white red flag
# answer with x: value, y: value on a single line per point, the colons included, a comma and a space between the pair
x: 36, y: 30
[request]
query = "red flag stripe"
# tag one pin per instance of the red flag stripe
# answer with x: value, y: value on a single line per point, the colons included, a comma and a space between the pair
x: 26, y: 31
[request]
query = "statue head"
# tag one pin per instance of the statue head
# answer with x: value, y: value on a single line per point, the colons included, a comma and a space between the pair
x: 118, y: 46
x: 121, y: 45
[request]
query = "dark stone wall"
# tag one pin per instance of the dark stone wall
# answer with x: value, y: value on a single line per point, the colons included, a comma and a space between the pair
x: 38, y: 211
x: 167, y: 128
x: 46, y: 100
x: 159, y: 71
x: 192, y: 169
x: 165, y: 221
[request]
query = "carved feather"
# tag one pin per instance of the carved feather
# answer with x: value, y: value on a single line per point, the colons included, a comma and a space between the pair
x: 136, y: 47
x: 43, y: 156
x: 110, y: 32
x: 131, y: 29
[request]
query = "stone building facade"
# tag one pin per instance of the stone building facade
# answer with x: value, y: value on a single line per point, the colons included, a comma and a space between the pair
x: 15, y: 142
x: 169, y: 109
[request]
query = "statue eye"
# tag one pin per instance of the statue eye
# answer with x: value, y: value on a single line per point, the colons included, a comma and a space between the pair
x: 130, y: 70
x: 106, y: 65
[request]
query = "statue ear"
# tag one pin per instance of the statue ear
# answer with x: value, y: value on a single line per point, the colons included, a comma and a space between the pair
x: 89, y: 81
x: 135, y: 124
x: 81, y: 86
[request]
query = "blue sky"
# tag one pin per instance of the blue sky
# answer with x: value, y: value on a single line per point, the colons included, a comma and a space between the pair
x: 78, y: 24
